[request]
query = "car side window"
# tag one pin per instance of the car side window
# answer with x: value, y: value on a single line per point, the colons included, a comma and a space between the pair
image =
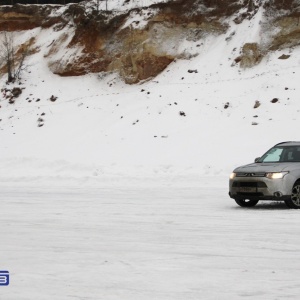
x: 289, y: 156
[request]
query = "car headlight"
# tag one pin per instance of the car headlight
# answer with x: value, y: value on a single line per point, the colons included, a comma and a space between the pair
x: 232, y: 175
x: 277, y: 175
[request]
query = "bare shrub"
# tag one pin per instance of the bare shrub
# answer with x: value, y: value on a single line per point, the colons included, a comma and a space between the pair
x: 12, y: 59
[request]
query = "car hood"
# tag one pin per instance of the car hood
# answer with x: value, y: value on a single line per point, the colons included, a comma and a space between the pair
x: 268, y: 167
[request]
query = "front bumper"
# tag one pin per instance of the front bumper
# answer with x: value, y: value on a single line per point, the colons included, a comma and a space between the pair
x: 259, y: 197
x: 261, y: 188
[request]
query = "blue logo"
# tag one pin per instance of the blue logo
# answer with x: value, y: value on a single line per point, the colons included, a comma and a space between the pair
x: 4, y: 278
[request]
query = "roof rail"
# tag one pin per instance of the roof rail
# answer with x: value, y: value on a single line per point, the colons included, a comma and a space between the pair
x: 286, y: 142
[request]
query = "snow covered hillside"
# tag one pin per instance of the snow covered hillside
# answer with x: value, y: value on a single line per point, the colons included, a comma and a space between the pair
x: 195, y: 118
x: 118, y: 140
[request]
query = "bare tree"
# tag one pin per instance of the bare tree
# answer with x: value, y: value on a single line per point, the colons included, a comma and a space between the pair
x: 21, y: 66
x: 97, y: 4
x: 13, y: 61
x: 7, y: 54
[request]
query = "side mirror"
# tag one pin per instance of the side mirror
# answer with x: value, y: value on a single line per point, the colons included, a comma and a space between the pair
x: 256, y: 159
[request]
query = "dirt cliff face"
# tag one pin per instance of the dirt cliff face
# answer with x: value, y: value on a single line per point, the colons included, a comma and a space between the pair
x: 141, y: 43
x: 25, y: 17
x: 289, y: 32
x: 135, y: 52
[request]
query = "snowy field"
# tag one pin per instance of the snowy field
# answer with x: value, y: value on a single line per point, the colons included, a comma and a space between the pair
x: 146, y: 243
x: 120, y: 192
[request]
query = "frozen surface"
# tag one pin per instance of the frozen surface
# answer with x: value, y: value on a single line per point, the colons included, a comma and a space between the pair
x: 152, y: 242
x: 116, y: 195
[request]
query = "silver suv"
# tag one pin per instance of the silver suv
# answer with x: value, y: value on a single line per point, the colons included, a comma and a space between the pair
x: 274, y: 176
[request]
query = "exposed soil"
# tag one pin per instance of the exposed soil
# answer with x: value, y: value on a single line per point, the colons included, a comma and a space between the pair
x: 138, y: 54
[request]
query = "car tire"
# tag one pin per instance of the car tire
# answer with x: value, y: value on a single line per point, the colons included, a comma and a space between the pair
x: 287, y: 203
x: 294, y: 202
x: 246, y: 202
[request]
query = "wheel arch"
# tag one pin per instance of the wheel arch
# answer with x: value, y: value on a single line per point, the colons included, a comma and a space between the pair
x: 296, y: 181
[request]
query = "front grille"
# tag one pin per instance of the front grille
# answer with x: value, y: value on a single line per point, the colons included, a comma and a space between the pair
x: 256, y: 184
x: 254, y: 174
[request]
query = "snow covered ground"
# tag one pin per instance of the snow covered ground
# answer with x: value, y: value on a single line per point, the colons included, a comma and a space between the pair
x: 146, y: 243
x: 118, y: 195
x: 122, y: 5
x: 173, y: 125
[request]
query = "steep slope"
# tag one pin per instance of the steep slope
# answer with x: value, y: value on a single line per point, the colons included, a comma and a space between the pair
x: 196, y: 117
x: 141, y: 42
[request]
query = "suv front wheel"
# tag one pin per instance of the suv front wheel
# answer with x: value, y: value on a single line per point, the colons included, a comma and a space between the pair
x: 294, y: 202
x: 247, y: 202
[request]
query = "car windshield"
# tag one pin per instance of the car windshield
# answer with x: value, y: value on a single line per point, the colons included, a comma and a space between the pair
x: 282, y: 154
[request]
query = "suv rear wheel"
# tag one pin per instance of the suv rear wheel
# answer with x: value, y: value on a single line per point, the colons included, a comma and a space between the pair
x: 294, y: 202
x: 247, y: 202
